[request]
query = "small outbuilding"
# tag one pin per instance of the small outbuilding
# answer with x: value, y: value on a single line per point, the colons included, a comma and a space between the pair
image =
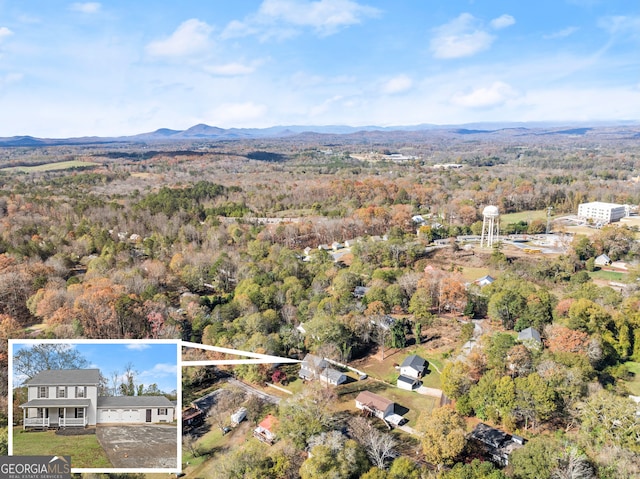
x: 602, y: 260
x: 407, y: 383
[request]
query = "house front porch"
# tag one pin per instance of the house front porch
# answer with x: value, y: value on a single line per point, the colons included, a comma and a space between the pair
x: 70, y: 413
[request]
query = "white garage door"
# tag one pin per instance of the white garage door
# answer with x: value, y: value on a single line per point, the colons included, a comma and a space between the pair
x: 130, y: 415
x: 120, y: 415
x: 109, y: 415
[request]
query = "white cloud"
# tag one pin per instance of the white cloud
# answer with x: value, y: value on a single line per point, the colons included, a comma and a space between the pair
x: 397, y: 84
x: 564, y: 33
x: 232, y: 114
x: 462, y: 37
x: 138, y: 346
x: 621, y: 25
x: 283, y: 18
x: 230, y: 69
x: 503, y: 21
x: 5, y: 32
x: 86, y: 7
x: 192, y: 36
x: 485, y: 97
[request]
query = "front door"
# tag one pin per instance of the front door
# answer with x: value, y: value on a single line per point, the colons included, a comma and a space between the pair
x: 148, y: 415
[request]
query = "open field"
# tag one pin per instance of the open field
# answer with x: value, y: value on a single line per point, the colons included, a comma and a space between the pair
x: 85, y: 451
x: 607, y: 275
x: 523, y: 216
x: 634, y: 385
x: 62, y: 165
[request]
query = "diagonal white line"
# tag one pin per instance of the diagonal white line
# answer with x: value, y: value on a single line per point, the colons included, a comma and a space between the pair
x: 258, y: 358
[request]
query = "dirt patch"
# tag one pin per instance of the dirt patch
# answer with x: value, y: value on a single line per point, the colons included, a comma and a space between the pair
x: 75, y: 431
x: 140, y: 446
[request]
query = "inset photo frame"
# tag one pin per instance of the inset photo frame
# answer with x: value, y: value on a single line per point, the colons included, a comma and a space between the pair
x: 111, y: 405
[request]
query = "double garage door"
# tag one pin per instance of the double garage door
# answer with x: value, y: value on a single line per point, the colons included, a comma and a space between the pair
x: 121, y: 415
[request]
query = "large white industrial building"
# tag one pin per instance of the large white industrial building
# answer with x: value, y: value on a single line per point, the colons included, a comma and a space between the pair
x: 603, y: 213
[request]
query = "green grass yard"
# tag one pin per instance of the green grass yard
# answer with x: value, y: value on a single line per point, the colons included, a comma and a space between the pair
x: 527, y: 216
x: 414, y: 402
x: 607, y: 275
x: 85, y: 450
x: 634, y: 385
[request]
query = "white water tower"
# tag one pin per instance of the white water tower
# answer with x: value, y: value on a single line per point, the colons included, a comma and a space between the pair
x: 490, y: 226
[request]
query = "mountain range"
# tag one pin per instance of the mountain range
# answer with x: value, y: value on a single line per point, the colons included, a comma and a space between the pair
x: 630, y: 129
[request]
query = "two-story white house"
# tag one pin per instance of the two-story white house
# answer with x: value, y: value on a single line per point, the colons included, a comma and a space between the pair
x: 69, y: 397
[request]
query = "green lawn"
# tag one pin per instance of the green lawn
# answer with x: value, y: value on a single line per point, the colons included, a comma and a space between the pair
x: 634, y: 385
x: 61, y: 165
x: 607, y: 275
x: 523, y: 216
x: 414, y: 402
x: 85, y: 451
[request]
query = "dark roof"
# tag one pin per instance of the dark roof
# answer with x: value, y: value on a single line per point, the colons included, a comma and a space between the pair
x: 414, y: 361
x: 62, y: 402
x: 406, y: 379
x: 65, y: 377
x: 489, y: 435
x: 133, y: 401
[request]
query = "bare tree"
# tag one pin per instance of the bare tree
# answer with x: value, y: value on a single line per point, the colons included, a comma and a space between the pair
x: 380, y: 446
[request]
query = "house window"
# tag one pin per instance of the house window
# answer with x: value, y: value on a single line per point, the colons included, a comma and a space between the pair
x: 162, y: 411
x: 43, y: 392
x: 80, y: 391
x: 61, y: 392
x: 79, y: 412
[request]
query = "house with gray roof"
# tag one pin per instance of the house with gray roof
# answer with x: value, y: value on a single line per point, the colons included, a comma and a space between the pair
x: 315, y: 367
x: 530, y: 337
x: 69, y: 398
x: 413, y: 366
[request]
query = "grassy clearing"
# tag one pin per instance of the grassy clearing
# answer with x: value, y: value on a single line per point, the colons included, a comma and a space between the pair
x: 61, y: 165
x: 633, y: 385
x: 527, y: 216
x: 471, y: 274
x: 607, y: 275
x: 85, y: 450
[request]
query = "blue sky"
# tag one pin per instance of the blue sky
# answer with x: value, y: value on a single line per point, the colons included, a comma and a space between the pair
x: 155, y: 362
x: 123, y: 67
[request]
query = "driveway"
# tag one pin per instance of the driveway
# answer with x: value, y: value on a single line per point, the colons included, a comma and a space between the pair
x: 141, y: 446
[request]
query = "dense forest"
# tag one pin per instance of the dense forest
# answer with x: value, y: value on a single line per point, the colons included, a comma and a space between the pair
x: 205, y: 242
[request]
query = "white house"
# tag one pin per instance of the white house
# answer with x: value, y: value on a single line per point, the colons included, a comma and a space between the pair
x: 69, y: 397
x: 377, y: 405
x: 413, y: 366
x: 602, y: 260
x: 315, y: 367
x: 407, y: 383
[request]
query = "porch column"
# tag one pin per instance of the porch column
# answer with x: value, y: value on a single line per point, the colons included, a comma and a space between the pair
x: 24, y: 418
x: 64, y: 417
x: 84, y: 416
x: 43, y: 414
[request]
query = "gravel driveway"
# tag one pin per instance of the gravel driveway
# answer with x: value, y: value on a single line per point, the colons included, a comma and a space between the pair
x: 142, y: 446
